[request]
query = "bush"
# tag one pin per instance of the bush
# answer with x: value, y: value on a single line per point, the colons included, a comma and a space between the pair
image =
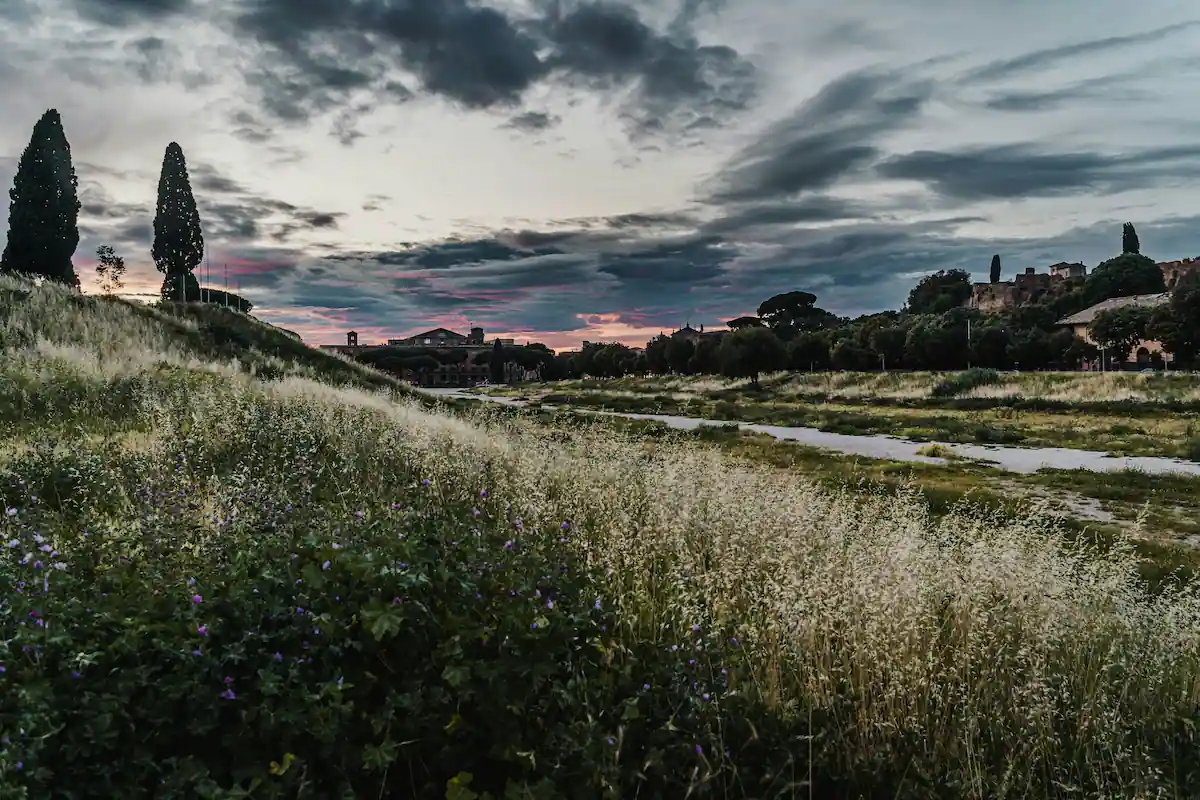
x: 963, y: 382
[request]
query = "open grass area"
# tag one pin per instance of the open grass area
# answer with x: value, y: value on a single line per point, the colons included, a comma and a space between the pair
x: 1146, y: 430
x: 302, y: 581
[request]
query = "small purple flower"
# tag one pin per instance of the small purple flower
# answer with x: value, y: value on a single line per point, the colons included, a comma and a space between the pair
x: 699, y: 750
x: 425, y: 482
x: 508, y: 545
x: 191, y: 582
x: 37, y: 565
x: 549, y: 604
x: 228, y: 680
x: 474, y: 513
x: 566, y: 525
x: 197, y: 599
x: 75, y: 674
x: 3, y: 669
x: 596, y: 604
x: 197, y: 652
x: 278, y: 656
x: 325, y: 565
x: 483, y: 493
x: 695, y: 628
x: 202, y: 630
x: 228, y: 694
x: 299, y: 610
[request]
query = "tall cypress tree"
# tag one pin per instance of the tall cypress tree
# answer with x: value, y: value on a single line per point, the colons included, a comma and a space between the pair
x: 1129, y: 240
x: 995, y: 275
x: 43, y: 215
x: 178, y: 242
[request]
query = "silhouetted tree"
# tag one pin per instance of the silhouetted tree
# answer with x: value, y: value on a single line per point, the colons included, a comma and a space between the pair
x: 751, y: 351
x: 1126, y: 275
x: 995, y: 271
x: 110, y: 268
x: 790, y: 313
x: 744, y: 322
x: 497, y: 363
x: 1129, y: 240
x: 939, y: 292
x: 178, y: 241
x: 43, y: 214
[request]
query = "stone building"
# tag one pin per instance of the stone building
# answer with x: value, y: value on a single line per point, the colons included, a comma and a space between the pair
x: 1174, y: 270
x: 1142, y: 354
x: 1026, y: 287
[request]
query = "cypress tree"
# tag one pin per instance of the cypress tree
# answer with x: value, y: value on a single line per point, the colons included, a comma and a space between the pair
x: 43, y: 214
x: 996, y: 268
x: 178, y: 241
x: 1129, y: 240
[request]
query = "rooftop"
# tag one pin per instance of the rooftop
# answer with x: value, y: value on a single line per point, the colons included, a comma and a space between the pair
x: 1088, y: 315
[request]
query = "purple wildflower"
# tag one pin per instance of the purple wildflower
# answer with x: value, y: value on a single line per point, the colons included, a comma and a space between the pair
x: 197, y: 599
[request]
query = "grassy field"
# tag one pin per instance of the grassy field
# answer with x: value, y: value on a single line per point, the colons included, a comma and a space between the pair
x: 242, y: 570
x: 1130, y: 415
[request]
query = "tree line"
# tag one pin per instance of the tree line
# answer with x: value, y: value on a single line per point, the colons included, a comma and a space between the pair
x: 43, y: 217
x: 935, y: 329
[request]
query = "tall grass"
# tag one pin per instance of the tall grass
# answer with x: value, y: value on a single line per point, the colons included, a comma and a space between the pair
x: 971, y: 656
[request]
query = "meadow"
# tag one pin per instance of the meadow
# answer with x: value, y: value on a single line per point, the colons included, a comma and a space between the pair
x: 1128, y: 414
x: 237, y: 567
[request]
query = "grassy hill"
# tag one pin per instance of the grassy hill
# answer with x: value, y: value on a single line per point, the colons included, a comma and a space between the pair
x: 235, y: 566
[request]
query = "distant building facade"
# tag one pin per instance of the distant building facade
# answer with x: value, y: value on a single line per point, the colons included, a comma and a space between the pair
x: 466, y: 373
x: 1143, y: 354
x: 1027, y: 287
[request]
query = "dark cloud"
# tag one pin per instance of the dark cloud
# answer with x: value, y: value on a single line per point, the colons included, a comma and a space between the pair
x: 320, y: 55
x: 1094, y: 89
x: 680, y: 85
x: 1051, y: 56
x: 129, y: 12
x: 744, y: 217
x: 533, y: 121
x: 830, y: 137
x: 1012, y: 171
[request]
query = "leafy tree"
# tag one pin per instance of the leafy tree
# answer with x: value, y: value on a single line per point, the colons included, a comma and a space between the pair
x: 745, y: 322
x: 995, y: 271
x: 790, y: 313
x: 178, y: 241
x: 939, y: 292
x: 1119, y: 330
x: 888, y: 343
x: 1129, y: 240
x: 851, y: 356
x: 1177, y: 324
x: 989, y: 346
x: 497, y: 363
x: 1127, y: 275
x: 43, y: 214
x: 808, y: 351
x: 751, y: 351
x: 110, y: 268
x: 705, y: 360
x: 656, y: 355
x: 679, y: 354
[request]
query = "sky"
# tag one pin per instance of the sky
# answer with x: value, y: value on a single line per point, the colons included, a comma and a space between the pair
x: 568, y: 170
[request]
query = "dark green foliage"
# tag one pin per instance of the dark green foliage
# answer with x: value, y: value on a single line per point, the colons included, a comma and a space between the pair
x: 1177, y: 324
x: 679, y: 354
x: 939, y: 292
x: 751, y: 351
x: 994, y: 274
x: 1127, y: 275
x: 496, y: 365
x: 181, y: 287
x: 965, y: 381
x: 744, y: 322
x: 1129, y: 239
x: 44, y: 207
x: 791, y: 313
x: 1118, y: 330
x: 178, y: 241
x: 225, y: 299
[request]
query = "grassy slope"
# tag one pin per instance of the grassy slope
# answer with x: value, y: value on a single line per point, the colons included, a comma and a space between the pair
x: 377, y: 598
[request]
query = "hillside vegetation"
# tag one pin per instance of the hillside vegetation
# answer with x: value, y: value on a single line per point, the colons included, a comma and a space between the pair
x: 237, y: 567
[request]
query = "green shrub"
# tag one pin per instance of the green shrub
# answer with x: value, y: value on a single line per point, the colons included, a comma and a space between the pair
x: 963, y: 382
